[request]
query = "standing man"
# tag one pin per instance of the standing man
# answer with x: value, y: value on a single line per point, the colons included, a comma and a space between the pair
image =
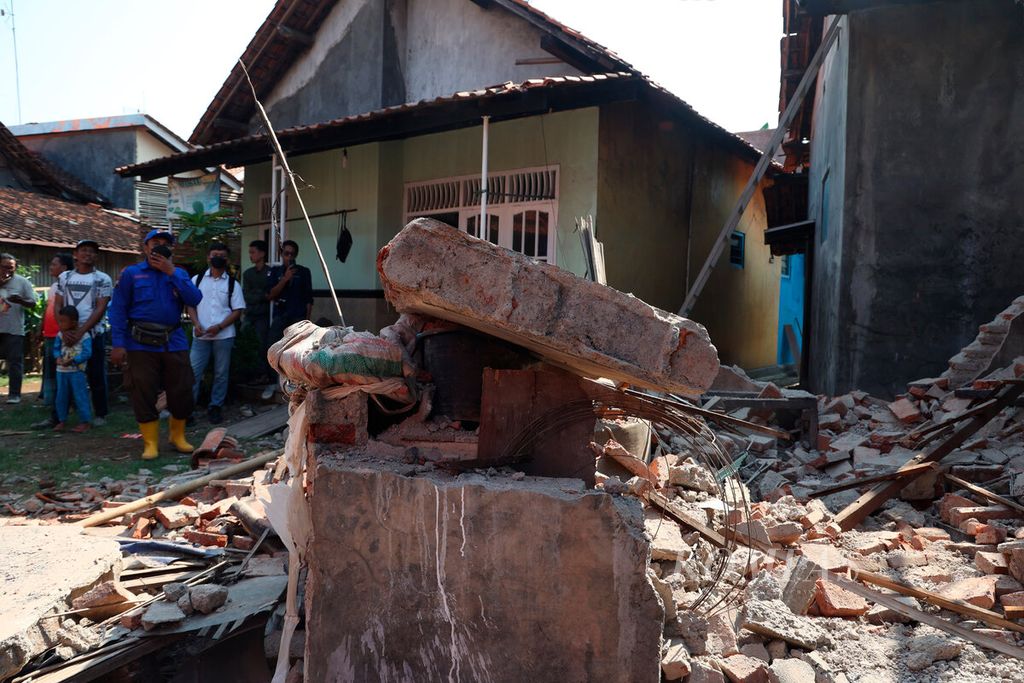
x: 89, y: 290
x: 145, y: 320
x: 291, y: 290
x: 256, y: 290
x: 15, y: 296
x: 214, y: 327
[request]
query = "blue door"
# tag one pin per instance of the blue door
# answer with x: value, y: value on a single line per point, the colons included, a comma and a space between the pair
x: 791, y: 309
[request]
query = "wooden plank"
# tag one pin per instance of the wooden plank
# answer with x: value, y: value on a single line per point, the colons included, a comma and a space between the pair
x: 864, y: 481
x: 958, y: 606
x: 259, y: 425
x: 984, y: 493
x: 855, y: 513
x: 895, y: 605
x: 1014, y: 611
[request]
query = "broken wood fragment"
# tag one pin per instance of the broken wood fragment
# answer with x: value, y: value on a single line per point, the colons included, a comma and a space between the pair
x: 984, y: 493
x: 176, y: 492
x: 857, y: 511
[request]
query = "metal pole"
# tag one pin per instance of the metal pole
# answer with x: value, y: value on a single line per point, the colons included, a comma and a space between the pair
x: 483, y: 232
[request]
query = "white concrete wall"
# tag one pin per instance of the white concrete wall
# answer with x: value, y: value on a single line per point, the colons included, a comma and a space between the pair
x: 454, y: 45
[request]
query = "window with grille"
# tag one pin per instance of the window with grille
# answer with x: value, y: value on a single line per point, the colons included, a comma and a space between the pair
x: 522, y: 208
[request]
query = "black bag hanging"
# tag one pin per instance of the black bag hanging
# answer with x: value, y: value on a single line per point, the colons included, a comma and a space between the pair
x: 344, y: 245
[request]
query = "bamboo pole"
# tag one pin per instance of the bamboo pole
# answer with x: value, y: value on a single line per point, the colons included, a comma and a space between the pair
x: 179, y: 491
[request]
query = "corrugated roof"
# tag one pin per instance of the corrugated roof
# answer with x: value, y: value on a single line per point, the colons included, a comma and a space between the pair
x: 41, y: 175
x: 560, y: 93
x: 31, y: 218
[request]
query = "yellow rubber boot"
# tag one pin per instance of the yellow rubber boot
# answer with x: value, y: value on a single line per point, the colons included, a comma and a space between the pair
x: 150, y: 439
x: 178, y: 436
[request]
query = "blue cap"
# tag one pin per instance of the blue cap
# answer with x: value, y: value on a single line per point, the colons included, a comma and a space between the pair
x: 157, y: 232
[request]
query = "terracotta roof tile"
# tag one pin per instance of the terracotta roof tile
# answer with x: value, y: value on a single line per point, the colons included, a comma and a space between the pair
x: 33, y: 218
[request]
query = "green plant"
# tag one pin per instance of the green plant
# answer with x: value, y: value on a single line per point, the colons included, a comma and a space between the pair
x: 200, y: 229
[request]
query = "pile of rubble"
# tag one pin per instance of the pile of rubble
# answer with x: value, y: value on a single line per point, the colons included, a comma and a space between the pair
x: 194, y: 555
x: 929, y: 587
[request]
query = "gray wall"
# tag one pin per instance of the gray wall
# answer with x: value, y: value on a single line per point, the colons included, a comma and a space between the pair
x: 933, y: 206
x: 828, y: 164
x: 371, y: 54
x: 91, y: 157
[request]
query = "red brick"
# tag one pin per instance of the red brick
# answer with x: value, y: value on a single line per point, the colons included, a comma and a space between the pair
x: 825, y: 556
x: 176, y: 516
x: 980, y: 592
x: 1012, y: 599
x: 141, y: 528
x: 905, y: 410
x: 242, y: 542
x: 990, y: 535
x: 203, y: 538
x: 834, y: 601
x: 982, y: 513
x: 991, y: 563
x: 744, y: 669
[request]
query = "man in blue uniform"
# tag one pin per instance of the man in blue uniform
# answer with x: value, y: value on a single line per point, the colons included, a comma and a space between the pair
x: 145, y: 319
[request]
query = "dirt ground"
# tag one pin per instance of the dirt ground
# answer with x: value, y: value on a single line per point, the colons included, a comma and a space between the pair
x: 30, y: 459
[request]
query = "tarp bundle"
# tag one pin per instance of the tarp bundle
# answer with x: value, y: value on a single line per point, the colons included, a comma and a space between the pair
x: 319, y: 357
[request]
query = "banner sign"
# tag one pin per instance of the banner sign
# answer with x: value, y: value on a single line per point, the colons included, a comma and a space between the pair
x: 183, y: 193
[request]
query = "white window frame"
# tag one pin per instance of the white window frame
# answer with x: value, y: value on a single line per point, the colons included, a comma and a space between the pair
x: 506, y: 190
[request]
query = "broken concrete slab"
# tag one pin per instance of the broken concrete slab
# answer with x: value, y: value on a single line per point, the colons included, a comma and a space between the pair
x: 473, y: 560
x: 162, y: 614
x: 44, y: 569
x: 570, y: 321
x: 773, y: 619
x: 666, y: 538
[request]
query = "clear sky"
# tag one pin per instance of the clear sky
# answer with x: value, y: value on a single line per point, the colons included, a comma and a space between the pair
x: 85, y: 58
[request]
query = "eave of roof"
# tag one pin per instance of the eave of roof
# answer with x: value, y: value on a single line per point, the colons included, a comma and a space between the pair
x: 101, y: 123
x: 464, y: 109
x: 42, y: 175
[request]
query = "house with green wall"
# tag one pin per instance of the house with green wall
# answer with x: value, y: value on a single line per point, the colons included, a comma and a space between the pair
x: 390, y: 110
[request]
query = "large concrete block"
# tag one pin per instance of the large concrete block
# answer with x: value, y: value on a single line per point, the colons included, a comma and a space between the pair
x: 44, y: 569
x: 432, y: 577
x: 432, y: 269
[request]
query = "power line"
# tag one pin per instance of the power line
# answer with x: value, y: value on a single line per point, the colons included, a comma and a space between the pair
x: 17, y: 76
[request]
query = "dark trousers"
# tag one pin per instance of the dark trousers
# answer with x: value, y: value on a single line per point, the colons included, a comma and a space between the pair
x: 12, y: 350
x: 96, y: 372
x: 49, y: 372
x: 261, y: 326
x: 149, y: 372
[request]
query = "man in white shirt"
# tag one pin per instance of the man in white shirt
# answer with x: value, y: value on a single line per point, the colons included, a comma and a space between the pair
x: 214, y: 327
x: 89, y: 290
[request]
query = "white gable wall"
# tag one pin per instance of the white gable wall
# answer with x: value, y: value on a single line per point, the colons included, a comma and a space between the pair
x: 370, y: 54
x: 454, y: 45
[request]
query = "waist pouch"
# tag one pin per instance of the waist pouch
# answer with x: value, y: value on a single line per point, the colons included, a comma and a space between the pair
x: 152, y: 334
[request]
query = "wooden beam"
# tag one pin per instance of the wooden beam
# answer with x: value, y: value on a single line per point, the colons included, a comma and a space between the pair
x: 294, y: 35
x: 855, y: 513
x: 826, y: 7
x: 574, y: 58
x: 985, y: 493
x: 887, y: 476
x: 795, y: 103
x: 923, y: 617
x: 958, y: 606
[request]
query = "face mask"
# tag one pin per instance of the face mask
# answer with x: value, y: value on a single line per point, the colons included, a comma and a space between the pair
x: 218, y: 262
